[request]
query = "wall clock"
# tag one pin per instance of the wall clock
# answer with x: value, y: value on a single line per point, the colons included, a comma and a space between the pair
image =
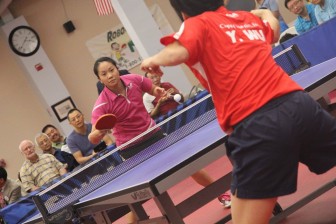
x: 24, y: 41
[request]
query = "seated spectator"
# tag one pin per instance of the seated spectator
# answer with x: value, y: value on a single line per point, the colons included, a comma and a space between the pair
x: 10, y: 190
x: 306, y: 15
x: 38, y: 170
x: 272, y: 5
x: 78, y: 142
x: 58, y: 140
x: 43, y: 141
x: 324, y: 10
x: 157, y: 106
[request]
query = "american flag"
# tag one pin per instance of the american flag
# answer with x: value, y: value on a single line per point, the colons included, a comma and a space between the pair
x: 104, y: 7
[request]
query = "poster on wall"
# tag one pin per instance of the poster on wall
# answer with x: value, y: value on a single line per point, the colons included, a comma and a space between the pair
x: 62, y: 108
x: 115, y: 43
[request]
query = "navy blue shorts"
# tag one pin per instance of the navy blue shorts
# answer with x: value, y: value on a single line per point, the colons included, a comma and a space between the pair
x: 267, y: 146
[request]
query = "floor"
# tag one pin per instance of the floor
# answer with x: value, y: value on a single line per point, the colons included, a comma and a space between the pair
x: 320, y: 211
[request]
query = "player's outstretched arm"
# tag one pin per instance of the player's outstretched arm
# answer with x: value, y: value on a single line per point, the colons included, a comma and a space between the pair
x: 173, y: 54
x: 96, y: 135
x: 108, y: 140
x: 267, y: 15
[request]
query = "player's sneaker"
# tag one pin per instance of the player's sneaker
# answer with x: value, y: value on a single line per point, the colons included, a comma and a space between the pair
x: 225, y: 200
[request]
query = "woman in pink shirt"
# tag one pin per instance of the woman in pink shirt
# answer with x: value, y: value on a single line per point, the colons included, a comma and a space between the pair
x: 122, y: 96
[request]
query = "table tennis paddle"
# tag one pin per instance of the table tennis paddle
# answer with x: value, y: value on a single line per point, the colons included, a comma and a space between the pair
x: 106, y: 121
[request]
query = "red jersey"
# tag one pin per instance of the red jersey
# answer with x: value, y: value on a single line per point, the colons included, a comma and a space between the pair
x: 230, y: 53
x: 169, y: 104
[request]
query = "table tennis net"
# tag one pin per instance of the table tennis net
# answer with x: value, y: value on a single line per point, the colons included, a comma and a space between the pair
x: 291, y: 60
x: 190, y: 116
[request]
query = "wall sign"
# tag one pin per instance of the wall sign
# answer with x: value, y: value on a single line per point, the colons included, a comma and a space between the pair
x: 62, y: 108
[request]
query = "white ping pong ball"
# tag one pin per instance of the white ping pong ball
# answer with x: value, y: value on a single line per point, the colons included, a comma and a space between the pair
x: 177, y: 97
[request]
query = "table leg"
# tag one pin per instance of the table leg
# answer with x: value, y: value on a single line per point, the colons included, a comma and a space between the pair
x: 139, y: 211
x: 167, y: 207
x: 101, y: 217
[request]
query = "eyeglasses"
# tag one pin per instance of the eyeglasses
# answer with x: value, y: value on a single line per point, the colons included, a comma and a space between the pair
x: 294, y: 5
x: 77, y: 117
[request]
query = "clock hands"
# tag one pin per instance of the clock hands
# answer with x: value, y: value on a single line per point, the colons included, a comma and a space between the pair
x: 25, y: 40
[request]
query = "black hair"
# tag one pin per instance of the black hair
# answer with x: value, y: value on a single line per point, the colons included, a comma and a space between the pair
x: 3, y: 173
x: 286, y: 37
x: 44, y: 129
x: 100, y: 60
x: 195, y: 7
x: 286, y: 3
x: 72, y: 110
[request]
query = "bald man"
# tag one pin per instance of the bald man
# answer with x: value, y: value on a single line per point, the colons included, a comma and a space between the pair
x: 38, y: 170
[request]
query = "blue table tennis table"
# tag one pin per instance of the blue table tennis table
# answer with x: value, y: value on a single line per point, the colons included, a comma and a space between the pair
x: 152, y: 178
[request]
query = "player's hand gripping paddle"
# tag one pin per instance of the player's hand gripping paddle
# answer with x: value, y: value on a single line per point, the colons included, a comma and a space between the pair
x: 106, y: 121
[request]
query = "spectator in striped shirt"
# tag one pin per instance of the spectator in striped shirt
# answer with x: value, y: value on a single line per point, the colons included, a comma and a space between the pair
x: 38, y: 170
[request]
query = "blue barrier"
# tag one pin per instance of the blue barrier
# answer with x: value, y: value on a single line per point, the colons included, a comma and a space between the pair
x: 317, y: 44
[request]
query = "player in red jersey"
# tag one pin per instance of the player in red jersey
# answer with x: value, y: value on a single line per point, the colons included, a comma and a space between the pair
x: 272, y: 123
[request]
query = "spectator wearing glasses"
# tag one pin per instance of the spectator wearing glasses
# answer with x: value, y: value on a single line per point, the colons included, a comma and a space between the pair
x: 78, y: 142
x: 306, y: 18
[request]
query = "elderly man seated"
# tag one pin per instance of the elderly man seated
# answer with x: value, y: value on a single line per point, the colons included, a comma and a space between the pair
x: 45, y: 144
x: 55, y: 136
x: 38, y: 170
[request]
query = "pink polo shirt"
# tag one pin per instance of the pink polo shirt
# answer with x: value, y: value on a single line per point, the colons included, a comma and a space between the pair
x: 132, y: 116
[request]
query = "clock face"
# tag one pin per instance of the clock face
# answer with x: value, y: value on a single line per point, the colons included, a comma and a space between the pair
x: 24, y: 41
